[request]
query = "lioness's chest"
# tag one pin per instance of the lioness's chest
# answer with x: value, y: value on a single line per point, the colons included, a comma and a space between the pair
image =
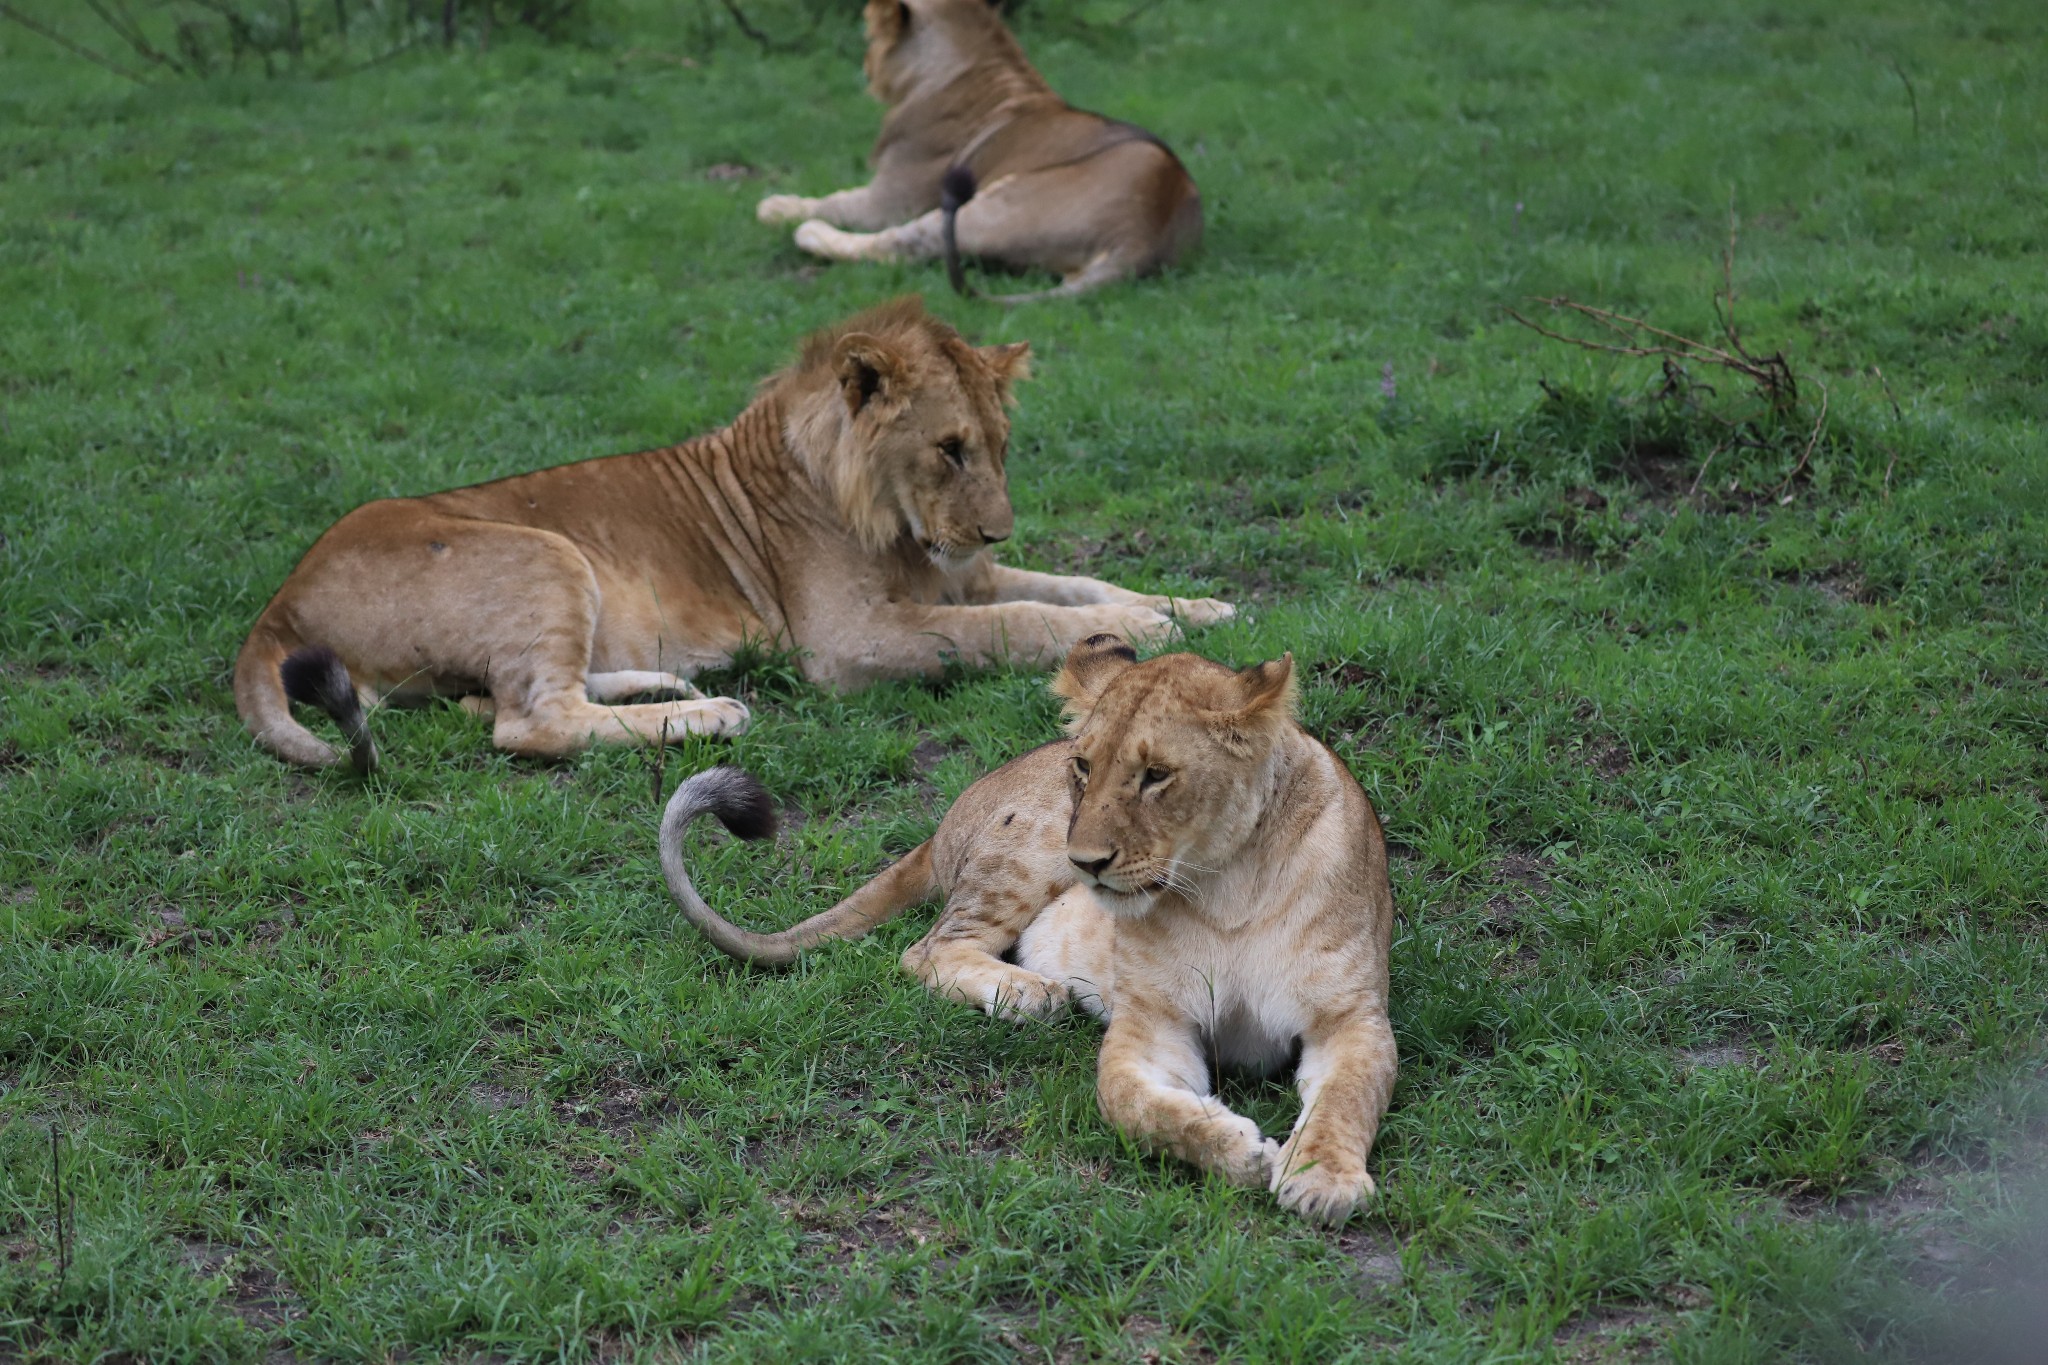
x: 1240, y: 991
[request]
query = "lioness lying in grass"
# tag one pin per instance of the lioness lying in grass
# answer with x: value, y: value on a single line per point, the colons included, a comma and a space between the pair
x: 976, y: 150
x: 1189, y: 865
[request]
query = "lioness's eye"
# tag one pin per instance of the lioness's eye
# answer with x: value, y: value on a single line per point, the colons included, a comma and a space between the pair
x: 1081, y: 768
x: 954, y: 449
x: 1153, y: 777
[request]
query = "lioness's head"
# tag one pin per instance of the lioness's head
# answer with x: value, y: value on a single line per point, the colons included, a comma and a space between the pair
x: 1174, y: 761
x: 914, y: 41
x: 904, y: 424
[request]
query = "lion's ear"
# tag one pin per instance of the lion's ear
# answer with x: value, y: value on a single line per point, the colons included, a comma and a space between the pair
x: 1009, y: 364
x: 870, y: 371
x: 887, y: 21
x: 1091, y: 666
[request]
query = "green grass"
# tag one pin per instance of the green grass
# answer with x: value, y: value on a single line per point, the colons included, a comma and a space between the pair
x: 1719, y: 818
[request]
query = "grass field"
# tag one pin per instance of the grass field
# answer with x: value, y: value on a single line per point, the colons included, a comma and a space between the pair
x: 1719, y: 984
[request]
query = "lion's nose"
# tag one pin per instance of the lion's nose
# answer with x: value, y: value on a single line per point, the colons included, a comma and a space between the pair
x: 1090, y: 864
x: 989, y: 537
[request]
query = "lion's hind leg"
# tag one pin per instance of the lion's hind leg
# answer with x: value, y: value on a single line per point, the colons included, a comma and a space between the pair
x: 961, y: 959
x: 604, y: 688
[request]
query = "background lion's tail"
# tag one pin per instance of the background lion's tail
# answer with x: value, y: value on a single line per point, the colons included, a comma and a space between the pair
x: 270, y: 674
x: 955, y: 189
x: 743, y: 806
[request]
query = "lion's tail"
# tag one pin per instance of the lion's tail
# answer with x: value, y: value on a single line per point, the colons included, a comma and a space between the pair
x: 271, y: 674
x: 955, y: 189
x: 743, y: 806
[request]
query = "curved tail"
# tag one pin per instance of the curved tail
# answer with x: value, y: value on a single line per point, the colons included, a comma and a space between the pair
x: 955, y: 189
x: 743, y: 806
x: 270, y: 675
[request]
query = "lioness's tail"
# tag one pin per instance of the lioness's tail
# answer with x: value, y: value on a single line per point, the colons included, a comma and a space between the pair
x: 743, y: 806
x: 270, y: 675
x: 955, y: 189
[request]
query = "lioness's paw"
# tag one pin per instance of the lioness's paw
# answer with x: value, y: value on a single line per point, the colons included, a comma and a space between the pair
x: 1020, y: 994
x: 712, y: 716
x: 1320, y: 1191
x: 1201, y: 611
x: 783, y: 208
x: 1245, y: 1156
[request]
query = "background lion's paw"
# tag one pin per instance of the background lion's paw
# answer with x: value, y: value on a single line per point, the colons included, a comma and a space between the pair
x: 1141, y: 625
x: 1202, y: 611
x: 713, y: 716
x: 783, y: 208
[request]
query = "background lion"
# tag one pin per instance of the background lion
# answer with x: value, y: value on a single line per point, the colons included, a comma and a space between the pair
x: 847, y: 512
x: 1088, y: 198
x: 1190, y: 865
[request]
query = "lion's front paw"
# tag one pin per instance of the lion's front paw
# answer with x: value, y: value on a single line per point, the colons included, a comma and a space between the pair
x: 1201, y: 611
x: 1320, y: 1191
x: 783, y: 208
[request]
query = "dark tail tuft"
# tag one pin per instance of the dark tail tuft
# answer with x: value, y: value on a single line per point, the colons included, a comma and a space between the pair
x: 315, y: 676
x: 739, y: 801
x: 956, y: 187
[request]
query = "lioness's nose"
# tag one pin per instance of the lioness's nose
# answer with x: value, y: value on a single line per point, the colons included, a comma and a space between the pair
x: 1090, y: 864
x: 989, y: 537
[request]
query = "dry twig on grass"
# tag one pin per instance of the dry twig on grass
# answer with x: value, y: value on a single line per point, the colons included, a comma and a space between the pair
x: 1771, y: 374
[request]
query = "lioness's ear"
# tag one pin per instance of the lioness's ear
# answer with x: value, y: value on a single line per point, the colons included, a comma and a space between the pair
x: 1091, y: 666
x: 1265, y: 698
x: 1268, y: 688
x: 869, y: 370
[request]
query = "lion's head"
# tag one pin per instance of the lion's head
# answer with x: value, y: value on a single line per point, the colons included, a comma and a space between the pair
x: 904, y: 424
x: 913, y: 41
x: 1173, y: 763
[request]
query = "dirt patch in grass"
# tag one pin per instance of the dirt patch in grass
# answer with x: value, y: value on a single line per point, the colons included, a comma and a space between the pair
x: 617, y: 1107
x: 1613, y: 1334
x: 1376, y: 1255
x: 1720, y: 1056
x: 1843, y: 583
x: 255, y: 1293
x: 496, y: 1098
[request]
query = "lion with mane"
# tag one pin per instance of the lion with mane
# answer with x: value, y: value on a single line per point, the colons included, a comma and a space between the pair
x: 847, y: 513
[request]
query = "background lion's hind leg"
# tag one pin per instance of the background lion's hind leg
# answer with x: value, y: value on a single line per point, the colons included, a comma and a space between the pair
x: 561, y: 725
x: 920, y: 239
x: 626, y: 683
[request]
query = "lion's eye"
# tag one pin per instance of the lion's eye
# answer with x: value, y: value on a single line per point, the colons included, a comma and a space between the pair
x: 954, y: 449
x: 1153, y: 777
x: 1081, y: 769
